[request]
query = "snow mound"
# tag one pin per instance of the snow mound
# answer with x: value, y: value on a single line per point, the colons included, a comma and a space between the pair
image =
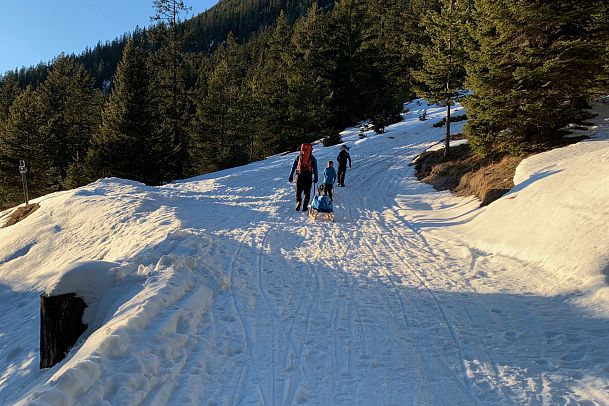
x: 556, y: 215
x: 87, y: 279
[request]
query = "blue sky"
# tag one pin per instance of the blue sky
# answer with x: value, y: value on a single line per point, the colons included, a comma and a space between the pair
x: 38, y: 30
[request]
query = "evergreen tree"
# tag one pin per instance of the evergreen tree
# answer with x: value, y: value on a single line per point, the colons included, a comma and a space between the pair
x: 386, y: 54
x: 22, y: 138
x: 221, y: 123
x: 600, y: 30
x: 533, y: 66
x: 9, y: 90
x: 443, y: 71
x: 272, y: 90
x: 307, y: 83
x: 261, y: 142
x: 126, y: 145
x: 171, y: 87
x: 70, y: 108
x: 345, y: 37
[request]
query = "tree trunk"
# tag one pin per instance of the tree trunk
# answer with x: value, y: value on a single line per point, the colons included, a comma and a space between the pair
x: 447, y: 141
x: 60, y: 326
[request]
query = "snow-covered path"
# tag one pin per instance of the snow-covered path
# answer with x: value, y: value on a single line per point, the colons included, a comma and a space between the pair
x: 370, y: 310
x: 367, y: 311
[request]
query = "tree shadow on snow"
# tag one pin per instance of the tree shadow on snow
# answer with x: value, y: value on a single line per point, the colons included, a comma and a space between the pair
x: 477, y: 348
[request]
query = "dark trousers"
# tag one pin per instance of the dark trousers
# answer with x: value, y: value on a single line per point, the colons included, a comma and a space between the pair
x: 342, y: 170
x: 303, y: 184
x: 328, y: 189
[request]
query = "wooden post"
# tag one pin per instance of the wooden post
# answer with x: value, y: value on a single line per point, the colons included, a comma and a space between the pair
x: 447, y: 140
x: 60, y: 326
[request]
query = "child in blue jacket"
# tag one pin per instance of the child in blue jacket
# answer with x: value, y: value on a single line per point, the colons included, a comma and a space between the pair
x: 329, y: 178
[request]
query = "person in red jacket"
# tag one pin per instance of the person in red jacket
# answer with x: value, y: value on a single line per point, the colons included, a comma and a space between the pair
x: 305, y: 166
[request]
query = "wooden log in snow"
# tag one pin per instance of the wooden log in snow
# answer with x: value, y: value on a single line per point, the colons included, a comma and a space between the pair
x: 60, y: 326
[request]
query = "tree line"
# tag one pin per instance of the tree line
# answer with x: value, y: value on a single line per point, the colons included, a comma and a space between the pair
x: 173, y: 109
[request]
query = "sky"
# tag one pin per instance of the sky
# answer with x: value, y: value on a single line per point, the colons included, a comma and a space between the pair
x: 32, y: 31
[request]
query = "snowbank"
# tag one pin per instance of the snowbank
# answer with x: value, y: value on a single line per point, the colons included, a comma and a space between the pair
x: 152, y: 329
x: 88, y: 279
x: 557, y: 215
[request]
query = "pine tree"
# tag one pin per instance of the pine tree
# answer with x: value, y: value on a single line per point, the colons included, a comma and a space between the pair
x: 385, y: 51
x: 533, y: 66
x: 171, y: 87
x: 348, y: 72
x: 9, y: 90
x: 70, y: 108
x: 271, y: 90
x: 126, y: 145
x: 221, y: 124
x: 443, y: 71
x: 22, y: 137
x: 307, y: 78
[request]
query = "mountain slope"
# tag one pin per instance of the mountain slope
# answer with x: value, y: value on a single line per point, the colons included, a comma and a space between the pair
x: 221, y: 293
x: 204, y: 32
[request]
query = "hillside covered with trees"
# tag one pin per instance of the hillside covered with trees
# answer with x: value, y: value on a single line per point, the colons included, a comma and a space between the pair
x: 248, y: 79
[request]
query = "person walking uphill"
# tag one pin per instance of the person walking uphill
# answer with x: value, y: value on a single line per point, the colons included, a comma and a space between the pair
x: 342, y: 158
x: 305, y: 166
x: 329, y: 178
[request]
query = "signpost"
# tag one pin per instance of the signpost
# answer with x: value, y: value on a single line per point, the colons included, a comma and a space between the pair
x: 23, y: 172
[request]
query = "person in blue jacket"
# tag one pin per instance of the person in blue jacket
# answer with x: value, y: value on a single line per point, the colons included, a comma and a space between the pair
x: 305, y: 166
x: 329, y: 178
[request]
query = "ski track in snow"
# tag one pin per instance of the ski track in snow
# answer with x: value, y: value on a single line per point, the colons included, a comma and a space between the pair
x: 370, y: 310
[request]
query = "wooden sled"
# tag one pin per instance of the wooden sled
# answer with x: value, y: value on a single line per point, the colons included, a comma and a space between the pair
x: 314, y: 214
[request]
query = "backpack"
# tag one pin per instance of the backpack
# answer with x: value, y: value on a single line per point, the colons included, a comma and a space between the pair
x: 305, y: 162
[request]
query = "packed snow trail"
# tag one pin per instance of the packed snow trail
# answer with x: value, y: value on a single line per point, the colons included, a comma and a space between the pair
x: 245, y: 301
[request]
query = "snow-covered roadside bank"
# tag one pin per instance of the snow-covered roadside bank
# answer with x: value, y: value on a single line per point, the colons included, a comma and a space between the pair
x: 557, y: 216
x: 554, y: 217
x: 223, y: 294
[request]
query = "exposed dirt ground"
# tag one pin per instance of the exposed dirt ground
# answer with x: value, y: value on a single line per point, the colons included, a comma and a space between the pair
x: 20, y: 213
x: 465, y: 174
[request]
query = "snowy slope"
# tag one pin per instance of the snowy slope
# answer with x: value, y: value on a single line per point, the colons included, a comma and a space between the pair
x: 214, y: 291
x: 560, y: 203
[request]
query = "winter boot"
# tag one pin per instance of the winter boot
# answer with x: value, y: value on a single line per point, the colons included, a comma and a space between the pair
x: 297, y: 206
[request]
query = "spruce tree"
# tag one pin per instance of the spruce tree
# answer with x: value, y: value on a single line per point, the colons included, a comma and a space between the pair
x: 70, y: 108
x: 126, y: 144
x: 533, y: 66
x: 348, y: 72
x: 307, y: 78
x: 271, y: 91
x: 443, y: 70
x: 600, y: 30
x: 261, y: 142
x: 170, y: 78
x: 221, y: 124
x: 9, y: 90
x: 385, y: 51
x: 22, y: 137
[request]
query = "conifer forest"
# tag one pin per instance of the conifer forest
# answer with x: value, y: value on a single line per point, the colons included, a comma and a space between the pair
x: 252, y: 78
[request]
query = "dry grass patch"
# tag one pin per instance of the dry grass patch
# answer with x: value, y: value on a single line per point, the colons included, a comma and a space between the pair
x: 466, y: 174
x: 20, y: 213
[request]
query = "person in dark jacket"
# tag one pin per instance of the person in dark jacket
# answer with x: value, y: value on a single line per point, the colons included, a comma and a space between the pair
x: 305, y: 167
x: 342, y: 158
